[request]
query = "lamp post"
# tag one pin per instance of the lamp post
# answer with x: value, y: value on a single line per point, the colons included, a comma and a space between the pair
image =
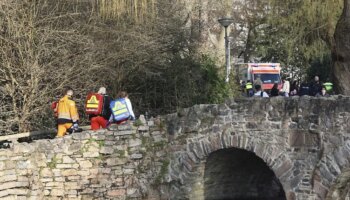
x: 225, y: 22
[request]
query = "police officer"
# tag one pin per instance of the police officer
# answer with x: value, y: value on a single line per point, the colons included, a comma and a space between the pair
x: 328, y: 86
x: 249, y: 88
x: 315, y: 86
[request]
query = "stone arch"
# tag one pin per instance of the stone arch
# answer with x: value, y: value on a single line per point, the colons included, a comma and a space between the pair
x: 332, y: 170
x: 234, y: 173
x: 186, y: 166
x: 291, y: 135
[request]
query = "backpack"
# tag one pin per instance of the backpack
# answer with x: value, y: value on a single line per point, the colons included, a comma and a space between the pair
x: 119, y: 109
x: 94, y: 104
x: 54, y: 107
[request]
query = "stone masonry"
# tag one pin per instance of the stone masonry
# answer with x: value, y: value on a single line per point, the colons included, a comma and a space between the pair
x: 305, y: 142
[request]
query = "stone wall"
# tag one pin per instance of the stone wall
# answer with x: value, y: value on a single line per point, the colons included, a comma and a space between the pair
x: 304, y: 141
x: 88, y: 165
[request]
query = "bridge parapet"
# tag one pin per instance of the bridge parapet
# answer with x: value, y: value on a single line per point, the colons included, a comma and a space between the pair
x: 103, y: 164
x: 304, y: 141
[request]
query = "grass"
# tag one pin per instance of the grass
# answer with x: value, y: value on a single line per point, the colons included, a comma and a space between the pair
x: 138, y: 122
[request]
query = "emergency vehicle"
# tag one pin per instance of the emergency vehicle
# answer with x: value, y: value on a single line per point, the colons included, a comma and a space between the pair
x: 269, y: 73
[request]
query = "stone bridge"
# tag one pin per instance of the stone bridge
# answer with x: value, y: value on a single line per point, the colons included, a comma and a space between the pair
x: 272, y: 148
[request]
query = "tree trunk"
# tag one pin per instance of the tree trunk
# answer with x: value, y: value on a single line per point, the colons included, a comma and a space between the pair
x: 248, y: 44
x: 341, y: 52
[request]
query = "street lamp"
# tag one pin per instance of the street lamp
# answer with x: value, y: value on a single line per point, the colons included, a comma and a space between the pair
x: 225, y: 22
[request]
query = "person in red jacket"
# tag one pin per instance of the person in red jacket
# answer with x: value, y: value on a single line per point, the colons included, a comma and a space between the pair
x: 100, y: 121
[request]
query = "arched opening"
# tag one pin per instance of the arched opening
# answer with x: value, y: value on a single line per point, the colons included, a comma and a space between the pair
x: 236, y: 174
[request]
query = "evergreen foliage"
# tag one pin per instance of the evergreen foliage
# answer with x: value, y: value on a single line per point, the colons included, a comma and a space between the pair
x: 320, y: 67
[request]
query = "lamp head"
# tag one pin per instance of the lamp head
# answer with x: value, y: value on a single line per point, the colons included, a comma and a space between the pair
x: 225, y: 21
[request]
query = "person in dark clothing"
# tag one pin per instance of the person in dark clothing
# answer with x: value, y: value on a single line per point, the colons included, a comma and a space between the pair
x: 249, y: 89
x: 293, y: 93
x: 323, y: 93
x: 315, y: 86
x: 304, y: 89
x: 274, y: 91
x: 294, y: 86
x: 242, y: 85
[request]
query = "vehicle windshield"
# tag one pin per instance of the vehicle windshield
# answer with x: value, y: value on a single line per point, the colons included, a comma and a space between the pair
x: 268, y: 78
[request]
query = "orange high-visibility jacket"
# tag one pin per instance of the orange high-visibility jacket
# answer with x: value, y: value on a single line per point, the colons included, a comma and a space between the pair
x: 67, y: 111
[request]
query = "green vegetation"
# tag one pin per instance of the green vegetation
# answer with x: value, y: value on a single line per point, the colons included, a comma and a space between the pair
x: 121, y: 153
x: 182, y: 139
x: 304, y: 31
x: 163, y: 171
x: 144, y: 141
x: 133, y: 136
x: 138, y: 122
x: 159, y: 145
x: 207, y: 120
x: 151, y: 146
x: 100, y: 143
x: 161, y: 126
x: 52, y: 164
x: 100, y: 157
x: 86, y: 146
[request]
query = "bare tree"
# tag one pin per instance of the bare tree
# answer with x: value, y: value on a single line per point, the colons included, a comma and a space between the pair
x: 143, y: 47
x: 39, y: 56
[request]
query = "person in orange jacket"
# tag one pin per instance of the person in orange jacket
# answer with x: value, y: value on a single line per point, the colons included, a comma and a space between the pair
x: 67, y: 114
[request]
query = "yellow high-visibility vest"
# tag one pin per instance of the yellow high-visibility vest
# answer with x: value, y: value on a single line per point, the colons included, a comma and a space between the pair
x: 328, y: 86
x: 249, y: 86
